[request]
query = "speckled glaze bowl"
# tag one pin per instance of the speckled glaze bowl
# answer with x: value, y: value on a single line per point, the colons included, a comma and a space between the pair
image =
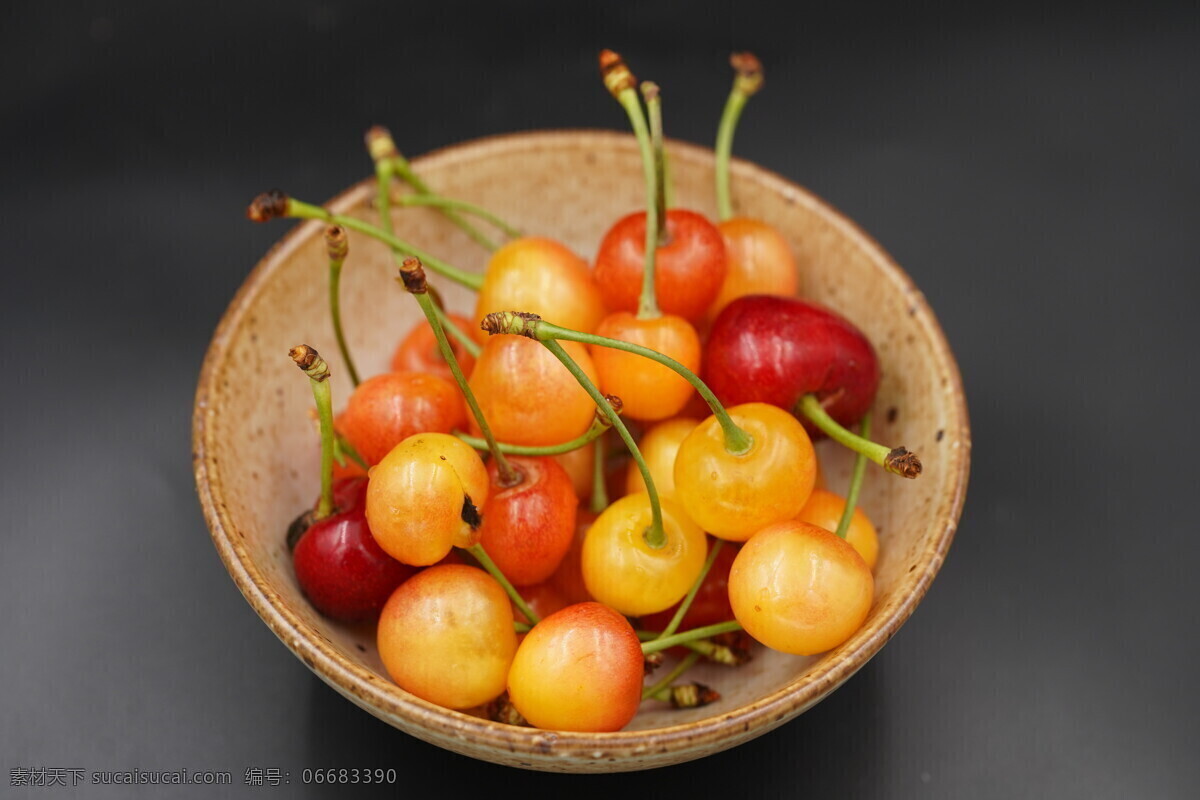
x: 255, y: 451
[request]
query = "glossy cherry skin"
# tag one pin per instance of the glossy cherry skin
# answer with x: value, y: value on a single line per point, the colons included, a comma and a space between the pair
x: 580, y: 669
x: 528, y: 528
x: 342, y: 571
x: 799, y: 589
x: 446, y: 635
x: 760, y: 262
x: 419, y: 351
x: 386, y: 409
x: 688, y: 271
x: 543, y: 277
x: 648, y: 390
x: 777, y: 349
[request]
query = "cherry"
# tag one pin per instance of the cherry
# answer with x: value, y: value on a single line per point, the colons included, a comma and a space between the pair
x: 825, y: 509
x: 580, y: 669
x: 418, y: 351
x: 447, y: 636
x: 800, y: 589
x: 528, y: 527
x: 386, y: 409
x: 660, y: 444
x: 776, y: 350
x: 711, y: 604
x: 341, y: 569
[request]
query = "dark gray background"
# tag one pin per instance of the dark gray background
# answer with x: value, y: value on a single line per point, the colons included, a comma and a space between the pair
x: 1034, y: 170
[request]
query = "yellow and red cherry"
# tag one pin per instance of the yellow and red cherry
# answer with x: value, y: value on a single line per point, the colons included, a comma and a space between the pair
x: 424, y: 498
x: 418, y: 351
x: 733, y: 495
x: 541, y: 276
x: 624, y: 569
x: 340, y: 568
x: 824, y: 508
x: 659, y: 446
x: 579, y: 669
x: 528, y: 527
x: 386, y: 409
x: 446, y: 635
x: 799, y: 589
x: 650, y: 391
x: 528, y: 396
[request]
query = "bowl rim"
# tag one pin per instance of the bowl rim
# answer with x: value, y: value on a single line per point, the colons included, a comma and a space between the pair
x: 448, y: 725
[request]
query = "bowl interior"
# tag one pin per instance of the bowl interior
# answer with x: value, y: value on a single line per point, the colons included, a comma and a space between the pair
x: 256, y: 451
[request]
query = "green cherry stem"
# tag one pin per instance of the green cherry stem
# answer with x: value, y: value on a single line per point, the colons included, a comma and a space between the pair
x: 458, y: 333
x: 338, y: 246
x: 895, y: 460
x: 486, y: 562
x: 599, y: 500
x: 598, y: 427
x: 737, y: 441
x: 653, y: 98
x: 719, y: 653
x: 443, y: 202
x: 620, y: 82
x: 661, y: 687
x: 310, y: 361
x: 382, y: 147
x: 747, y: 81
x: 347, y: 449
x: 691, y: 595
x: 856, y: 481
x: 656, y: 535
x: 412, y: 276
x: 664, y: 642
x: 275, y: 204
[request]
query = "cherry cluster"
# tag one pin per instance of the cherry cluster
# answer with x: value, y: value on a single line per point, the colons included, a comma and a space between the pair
x: 476, y: 500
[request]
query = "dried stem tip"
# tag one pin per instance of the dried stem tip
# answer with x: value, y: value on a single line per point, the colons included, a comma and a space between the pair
x: 693, y: 695
x: 903, y: 463
x: 749, y: 72
x: 337, y: 243
x: 267, y: 206
x: 618, y: 405
x: 310, y: 361
x: 518, y: 323
x: 615, y: 72
x: 650, y: 91
x: 412, y: 273
x: 380, y: 143
x: 502, y: 710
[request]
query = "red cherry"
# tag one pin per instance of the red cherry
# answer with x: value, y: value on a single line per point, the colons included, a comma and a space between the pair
x: 689, y: 267
x: 528, y: 528
x: 340, y: 568
x: 387, y: 409
x: 770, y: 349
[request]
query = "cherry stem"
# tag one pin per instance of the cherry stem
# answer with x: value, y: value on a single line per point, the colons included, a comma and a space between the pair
x: 856, y: 481
x: 458, y: 333
x: 486, y: 562
x: 443, y: 202
x: 747, y: 80
x: 383, y: 148
x: 596, y: 430
x: 653, y: 97
x: 300, y: 210
x: 661, y: 687
x: 673, y: 625
x: 721, y: 654
x: 599, y: 484
x: 338, y: 246
x: 664, y: 642
x: 737, y: 441
x: 621, y: 85
x: 344, y: 446
x: 412, y: 275
x: 656, y: 535
x: 898, y: 460
x: 310, y: 361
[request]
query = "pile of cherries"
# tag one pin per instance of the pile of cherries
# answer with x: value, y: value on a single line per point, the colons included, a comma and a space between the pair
x: 465, y: 498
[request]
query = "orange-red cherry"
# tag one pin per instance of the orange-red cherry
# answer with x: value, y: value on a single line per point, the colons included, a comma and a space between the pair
x: 649, y: 390
x: 418, y: 351
x: 386, y: 409
x: 760, y: 262
x: 689, y: 267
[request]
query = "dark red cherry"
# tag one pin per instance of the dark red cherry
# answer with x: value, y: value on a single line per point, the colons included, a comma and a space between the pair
x: 770, y: 349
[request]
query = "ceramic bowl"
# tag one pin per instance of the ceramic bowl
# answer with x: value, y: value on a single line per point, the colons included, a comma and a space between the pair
x: 256, y: 455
